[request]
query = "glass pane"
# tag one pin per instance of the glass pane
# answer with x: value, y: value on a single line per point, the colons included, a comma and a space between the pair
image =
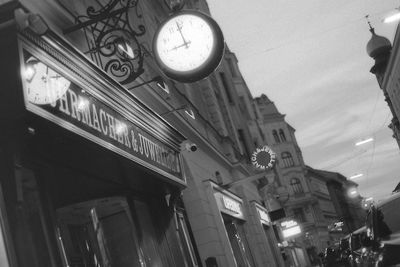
x: 150, y: 241
x: 3, y: 248
x: 31, y: 236
x: 186, y: 242
x: 98, y: 233
x: 239, y: 245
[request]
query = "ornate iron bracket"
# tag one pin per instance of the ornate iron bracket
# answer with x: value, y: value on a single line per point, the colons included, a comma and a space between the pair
x: 112, y: 31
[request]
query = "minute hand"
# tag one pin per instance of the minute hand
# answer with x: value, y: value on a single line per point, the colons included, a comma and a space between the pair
x: 185, y: 43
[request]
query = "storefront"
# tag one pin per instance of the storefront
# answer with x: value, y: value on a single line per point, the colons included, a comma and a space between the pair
x: 89, y: 175
x: 268, y: 231
x: 290, y: 231
x: 231, y: 208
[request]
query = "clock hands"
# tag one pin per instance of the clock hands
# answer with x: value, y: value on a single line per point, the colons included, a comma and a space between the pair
x: 185, y: 43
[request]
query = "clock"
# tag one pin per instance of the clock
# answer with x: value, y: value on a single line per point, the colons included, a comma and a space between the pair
x: 188, y: 46
x: 43, y: 85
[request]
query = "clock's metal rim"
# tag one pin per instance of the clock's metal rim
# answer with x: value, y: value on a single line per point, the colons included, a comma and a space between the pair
x: 208, y: 66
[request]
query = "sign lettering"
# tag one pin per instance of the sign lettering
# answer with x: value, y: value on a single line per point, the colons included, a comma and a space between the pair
x: 231, y: 205
x: 96, y: 120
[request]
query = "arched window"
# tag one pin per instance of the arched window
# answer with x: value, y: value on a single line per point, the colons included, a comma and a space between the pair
x: 296, y: 186
x: 276, y: 137
x: 287, y: 159
x: 282, y: 135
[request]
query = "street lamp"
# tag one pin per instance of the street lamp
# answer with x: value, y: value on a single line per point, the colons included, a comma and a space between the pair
x: 355, y: 176
x: 352, y: 192
x: 394, y: 17
x: 359, y: 143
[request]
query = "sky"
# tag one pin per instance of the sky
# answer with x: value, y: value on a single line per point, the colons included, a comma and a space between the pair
x: 309, y: 57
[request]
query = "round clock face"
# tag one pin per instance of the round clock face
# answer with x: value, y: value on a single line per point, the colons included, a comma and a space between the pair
x: 43, y: 84
x: 188, y: 46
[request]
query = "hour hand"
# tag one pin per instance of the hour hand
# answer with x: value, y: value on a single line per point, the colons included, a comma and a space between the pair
x: 186, y: 44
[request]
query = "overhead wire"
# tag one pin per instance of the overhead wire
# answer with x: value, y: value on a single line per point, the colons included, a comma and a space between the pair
x: 292, y: 42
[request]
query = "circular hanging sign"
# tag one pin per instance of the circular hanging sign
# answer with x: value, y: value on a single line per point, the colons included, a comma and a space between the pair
x: 263, y: 158
x: 188, y: 46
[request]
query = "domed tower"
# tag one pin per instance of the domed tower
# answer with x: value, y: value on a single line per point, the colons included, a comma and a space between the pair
x: 379, y: 49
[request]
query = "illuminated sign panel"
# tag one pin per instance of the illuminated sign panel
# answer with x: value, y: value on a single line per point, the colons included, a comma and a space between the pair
x: 231, y: 205
x: 263, y: 216
x: 290, y: 228
x: 228, y: 203
x: 288, y: 224
x: 291, y: 231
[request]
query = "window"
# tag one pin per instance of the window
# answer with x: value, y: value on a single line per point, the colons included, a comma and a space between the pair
x: 296, y: 186
x: 186, y: 242
x: 232, y: 67
x: 298, y: 214
x: 287, y: 159
x: 282, y: 135
x: 226, y: 88
x: 276, y: 137
x: 98, y: 233
x: 242, y: 141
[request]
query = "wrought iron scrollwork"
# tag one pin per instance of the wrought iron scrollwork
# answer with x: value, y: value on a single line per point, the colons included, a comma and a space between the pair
x: 112, y: 33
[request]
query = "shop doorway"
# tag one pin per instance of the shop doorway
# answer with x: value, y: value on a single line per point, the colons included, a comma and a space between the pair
x: 239, y: 244
x: 98, y: 233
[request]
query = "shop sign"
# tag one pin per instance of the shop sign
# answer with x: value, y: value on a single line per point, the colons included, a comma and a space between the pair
x: 231, y: 205
x: 76, y: 109
x: 263, y: 216
x: 290, y: 228
x: 263, y: 158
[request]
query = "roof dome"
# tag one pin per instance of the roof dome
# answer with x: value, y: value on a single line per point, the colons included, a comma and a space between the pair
x: 377, y: 45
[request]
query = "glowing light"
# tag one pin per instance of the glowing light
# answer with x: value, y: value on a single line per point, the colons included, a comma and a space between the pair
x: 83, y: 103
x: 120, y: 128
x: 364, y: 141
x: 392, y: 18
x: 369, y: 199
x: 29, y: 72
x: 291, y: 231
x: 356, y: 176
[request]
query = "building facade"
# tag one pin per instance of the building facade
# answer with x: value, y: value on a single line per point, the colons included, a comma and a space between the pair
x: 103, y: 167
x: 290, y: 185
x: 315, y: 199
x: 386, y: 65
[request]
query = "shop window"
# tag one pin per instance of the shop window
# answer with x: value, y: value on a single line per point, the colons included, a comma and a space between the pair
x: 226, y: 87
x: 276, y: 137
x: 238, y: 241
x: 296, y: 186
x: 186, y: 243
x: 32, y: 242
x: 242, y: 141
x: 287, y: 159
x: 282, y: 135
x: 98, y: 233
x: 4, y: 261
x: 158, y: 234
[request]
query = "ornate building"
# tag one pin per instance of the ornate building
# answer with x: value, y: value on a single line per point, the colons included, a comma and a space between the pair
x: 386, y: 69
x: 108, y: 162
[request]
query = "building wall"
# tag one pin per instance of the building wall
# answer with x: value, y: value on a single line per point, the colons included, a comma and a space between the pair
x: 223, y: 151
x: 391, y: 86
